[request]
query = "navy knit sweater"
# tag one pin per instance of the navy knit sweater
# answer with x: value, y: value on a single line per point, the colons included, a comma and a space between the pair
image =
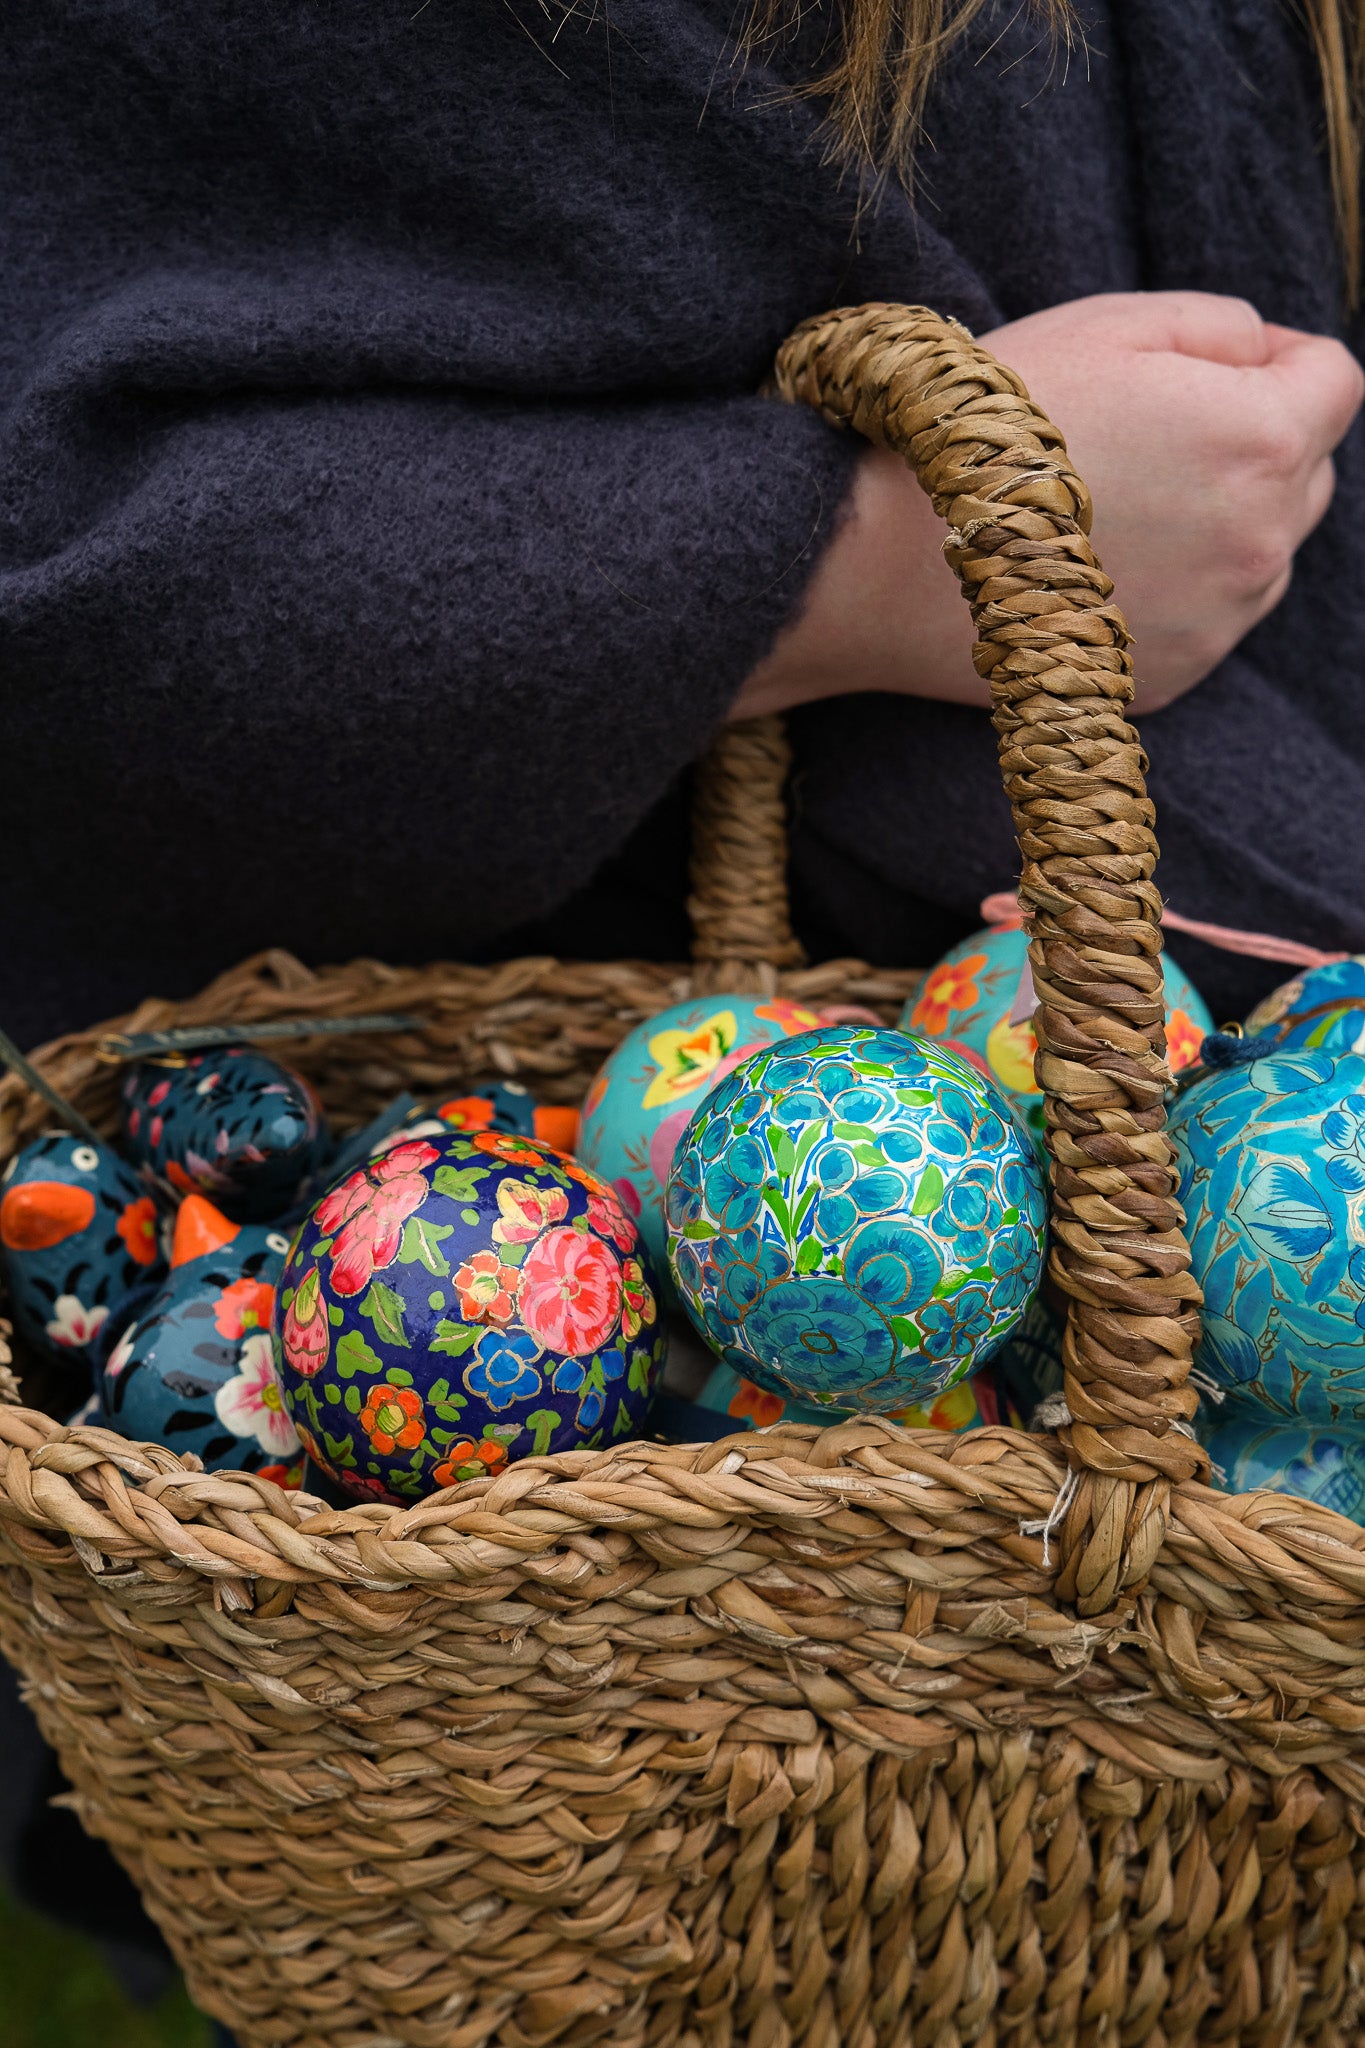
x: 388, y: 516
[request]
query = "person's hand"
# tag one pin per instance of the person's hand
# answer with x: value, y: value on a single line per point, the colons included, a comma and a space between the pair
x: 1205, y: 435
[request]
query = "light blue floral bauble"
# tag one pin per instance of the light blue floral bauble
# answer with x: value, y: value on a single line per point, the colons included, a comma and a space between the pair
x: 855, y: 1217
x: 1272, y: 1159
x: 1322, y: 1010
x: 1323, y: 1462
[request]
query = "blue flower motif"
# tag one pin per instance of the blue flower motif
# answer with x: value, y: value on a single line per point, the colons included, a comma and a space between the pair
x: 954, y: 1327
x: 835, y: 1217
x: 587, y: 1377
x: 894, y: 1265
x: 1016, y: 1258
x: 967, y: 1203
x: 682, y: 1201
x: 878, y: 1189
x: 835, y: 1166
x: 503, y: 1370
x: 731, y: 1188
x: 816, y: 1334
x: 860, y: 1105
x: 799, y: 1106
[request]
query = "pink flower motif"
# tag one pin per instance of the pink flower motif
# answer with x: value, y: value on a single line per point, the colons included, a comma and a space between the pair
x: 158, y: 1094
x: 606, y: 1218
x: 570, y: 1292
x: 524, y: 1211
x: 305, y: 1338
x: 367, y: 1212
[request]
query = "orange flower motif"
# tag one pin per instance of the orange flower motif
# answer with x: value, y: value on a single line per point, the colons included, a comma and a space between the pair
x: 467, y: 1113
x: 793, y: 1017
x: 246, y: 1305
x: 487, y: 1289
x: 1183, y: 1040
x: 469, y: 1460
x: 516, y: 1151
x: 137, y: 1227
x: 951, y: 986
x: 289, y: 1477
x: 761, y: 1408
x: 393, y: 1419
x: 586, y: 1178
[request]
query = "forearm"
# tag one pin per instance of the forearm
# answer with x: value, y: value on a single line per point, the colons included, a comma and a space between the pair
x: 882, y: 611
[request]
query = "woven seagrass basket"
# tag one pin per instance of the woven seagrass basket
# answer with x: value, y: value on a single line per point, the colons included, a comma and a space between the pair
x: 801, y: 1737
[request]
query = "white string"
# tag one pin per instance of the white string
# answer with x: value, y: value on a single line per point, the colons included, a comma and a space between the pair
x: 1065, y: 1495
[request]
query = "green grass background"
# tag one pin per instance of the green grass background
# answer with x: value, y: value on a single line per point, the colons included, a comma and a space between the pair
x: 56, y: 1992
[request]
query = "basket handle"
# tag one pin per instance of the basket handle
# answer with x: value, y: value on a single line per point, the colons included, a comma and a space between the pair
x: 1054, y: 650
x: 741, y: 923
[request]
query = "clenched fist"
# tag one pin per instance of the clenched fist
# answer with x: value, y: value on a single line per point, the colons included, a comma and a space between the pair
x: 1205, y: 435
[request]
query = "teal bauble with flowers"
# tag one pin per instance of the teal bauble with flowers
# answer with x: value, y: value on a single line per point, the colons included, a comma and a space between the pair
x: 855, y: 1219
x: 1272, y: 1182
x: 457, y: 1301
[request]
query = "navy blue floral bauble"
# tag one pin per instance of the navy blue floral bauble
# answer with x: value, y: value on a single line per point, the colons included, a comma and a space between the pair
x: 78, y: 1233
x: 1272, y: 1180
x: 856, y: 1218
x: 458, y: 1301
x: 232, y: 1124
x: 193, y: 1367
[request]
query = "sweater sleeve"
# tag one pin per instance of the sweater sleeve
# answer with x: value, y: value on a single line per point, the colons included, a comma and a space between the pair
x: 388, y: 669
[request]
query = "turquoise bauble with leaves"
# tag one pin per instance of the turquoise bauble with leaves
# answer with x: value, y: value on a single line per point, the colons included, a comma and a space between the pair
x: 856, y: 1219
x: 1272, y: 1180
x: 458, y: 1301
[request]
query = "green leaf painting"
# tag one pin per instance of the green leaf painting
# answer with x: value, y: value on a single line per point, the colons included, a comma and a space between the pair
x: 354, y: 1355
x: 456, y: 1338
x: 459, y: 1182
x: 421, y: 1245
x: 385, y: 1310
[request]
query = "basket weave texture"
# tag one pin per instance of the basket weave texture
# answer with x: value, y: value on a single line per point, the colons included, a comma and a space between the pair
x: 806, y: 1736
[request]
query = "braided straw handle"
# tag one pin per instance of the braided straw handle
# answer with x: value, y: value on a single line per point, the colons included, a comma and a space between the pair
x: 1053, y: 649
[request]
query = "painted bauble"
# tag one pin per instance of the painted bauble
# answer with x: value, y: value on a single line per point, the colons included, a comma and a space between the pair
x: 979, y: 1000
x: 1318, y: 1461
x: 78, y: 1233
x: 505, y: 1106
x: 460, y: 1300
x: 232, y: 1124
x: 855, y: 1217
x: 647, y: 1093
x: 1029, y: 1364
x: 1272, y: 1180
x: 1322, y: 1010
x: 192, y: 1366
x: 981, y: 1402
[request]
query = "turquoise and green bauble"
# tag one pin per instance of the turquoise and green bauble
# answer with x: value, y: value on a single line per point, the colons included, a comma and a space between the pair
x: 647, y: 1092
x: 856, y: 1219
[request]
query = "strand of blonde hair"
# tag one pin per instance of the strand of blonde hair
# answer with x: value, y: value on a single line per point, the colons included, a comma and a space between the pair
x: 879, y: 73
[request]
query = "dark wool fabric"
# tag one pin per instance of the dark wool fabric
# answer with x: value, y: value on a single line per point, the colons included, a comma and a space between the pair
x: 388, y: 513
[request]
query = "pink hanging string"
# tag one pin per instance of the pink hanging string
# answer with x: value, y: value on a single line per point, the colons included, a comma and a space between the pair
x: 1003, y: 909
